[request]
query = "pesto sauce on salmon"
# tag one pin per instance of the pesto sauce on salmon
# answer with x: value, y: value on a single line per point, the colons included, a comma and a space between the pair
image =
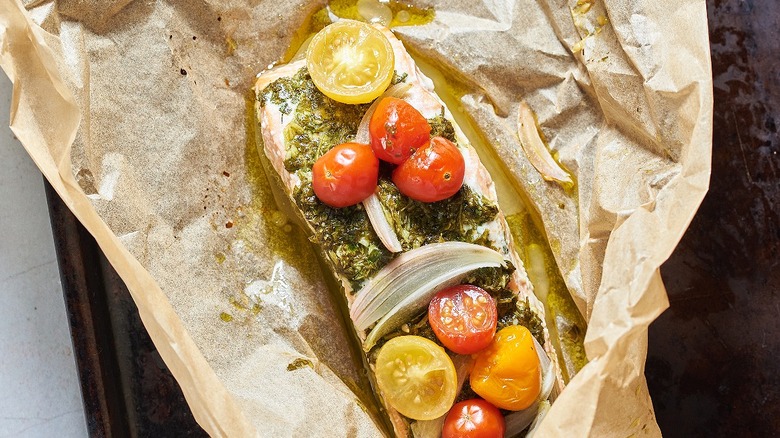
x: 345, y: 234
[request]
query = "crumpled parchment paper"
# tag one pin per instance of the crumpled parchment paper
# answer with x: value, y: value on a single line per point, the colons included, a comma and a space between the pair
x: 136, y: 113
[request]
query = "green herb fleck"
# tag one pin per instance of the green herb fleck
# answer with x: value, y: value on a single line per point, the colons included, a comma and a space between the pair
x: 397, y: 79
x: 442, y: 127
x: 345, y: 235
x: 456, y: 218
x: 319, y: 123
x: 522, y: 315
x: 493, y: 280
x: 226, y: 317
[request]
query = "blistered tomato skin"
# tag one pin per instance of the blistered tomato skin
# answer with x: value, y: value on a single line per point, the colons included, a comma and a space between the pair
x: 473, y: 418
x: 433, y: 173
x: 397, y: 129
x: 463, y: 318
x: 507, y: 373
x: 345, y: 175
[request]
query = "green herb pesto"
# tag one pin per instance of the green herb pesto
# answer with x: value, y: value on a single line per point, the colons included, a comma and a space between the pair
x: 493, y: 280
x: 522, y: 315
x: 318, y: 122
x: 397, y: 79
x: 510, y: 309
x: 454, y: 219
x: 344, y: 234
x: 442, y: 127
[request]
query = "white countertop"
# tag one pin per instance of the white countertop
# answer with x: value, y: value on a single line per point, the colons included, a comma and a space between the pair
x: 39, y: 389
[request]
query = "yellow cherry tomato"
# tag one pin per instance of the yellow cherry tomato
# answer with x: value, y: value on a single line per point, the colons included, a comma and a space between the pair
x: 416, y: 377
x: 507, y: 373
x: 350, y: 61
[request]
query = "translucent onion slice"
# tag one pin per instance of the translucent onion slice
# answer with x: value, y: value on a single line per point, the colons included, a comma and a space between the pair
x: 543, y: 408
x: 428, y: 428
x: 420, y: 268
x: 548, y: 375
x: 518, y: 421
x: 535, y: 149
x: 380, y: 223
x: 376, y: 215
x: 405, y: 287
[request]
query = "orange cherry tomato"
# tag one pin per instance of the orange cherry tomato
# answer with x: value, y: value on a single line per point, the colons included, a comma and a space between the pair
x: 464, y: 318
x: 397, y: 129
x: 507, y: 373
x: 433, y: 173
x: 345, y: 175
x: 473, y: 418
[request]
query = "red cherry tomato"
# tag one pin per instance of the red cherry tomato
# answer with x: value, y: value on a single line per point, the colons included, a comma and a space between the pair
x: 345, y: 175
x: 397, y: 129
x: 473, y: 418
x: 463, y: 318
x: 433, y: 173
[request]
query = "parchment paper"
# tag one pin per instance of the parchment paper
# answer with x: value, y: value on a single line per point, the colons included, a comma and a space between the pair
x: 135, y: 112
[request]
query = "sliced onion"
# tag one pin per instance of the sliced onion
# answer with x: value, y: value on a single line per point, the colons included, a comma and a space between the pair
x: 518, y: 421
x: 535, y: 149
x: 463, y: 363
x: 397, y: 90
x: 382, y: 226
x: 423, y: 267
x: 548, y: 374
x: 543, y: 408
x: 428, y: 428
x: 406, y: 285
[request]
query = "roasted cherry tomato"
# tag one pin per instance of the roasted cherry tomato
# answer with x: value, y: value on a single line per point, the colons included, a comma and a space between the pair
x: 463, y: 318
x: 350, y: 61
x: 507, y: 373
x: 397, y: 129
x: 416, y: 377
x: 345, y: 175
x: 473, y: 418
x: 434, y: 172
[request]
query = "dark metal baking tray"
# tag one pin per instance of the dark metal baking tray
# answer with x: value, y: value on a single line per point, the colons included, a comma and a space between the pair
x: 712, y: 367
x: 126, y: 388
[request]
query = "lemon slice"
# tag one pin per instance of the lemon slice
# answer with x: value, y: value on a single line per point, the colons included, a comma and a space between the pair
x: 416, y: 377
x: 350, y: 61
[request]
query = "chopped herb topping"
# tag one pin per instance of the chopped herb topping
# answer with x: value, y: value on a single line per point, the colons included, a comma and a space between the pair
x: 493, y: 280
x: 345, y: 235
x: 442, y: 127
x: 518, y: 312
x: 397, y: 79
x: 319, y: 122
x: 457, y: 218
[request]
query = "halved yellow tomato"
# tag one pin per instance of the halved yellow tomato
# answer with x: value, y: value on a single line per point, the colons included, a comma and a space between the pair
x: 416, y: 377
x: 507, y: 373
x: 350, y: 61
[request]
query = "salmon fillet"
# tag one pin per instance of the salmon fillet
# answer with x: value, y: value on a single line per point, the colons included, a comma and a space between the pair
x: 274, y: 118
